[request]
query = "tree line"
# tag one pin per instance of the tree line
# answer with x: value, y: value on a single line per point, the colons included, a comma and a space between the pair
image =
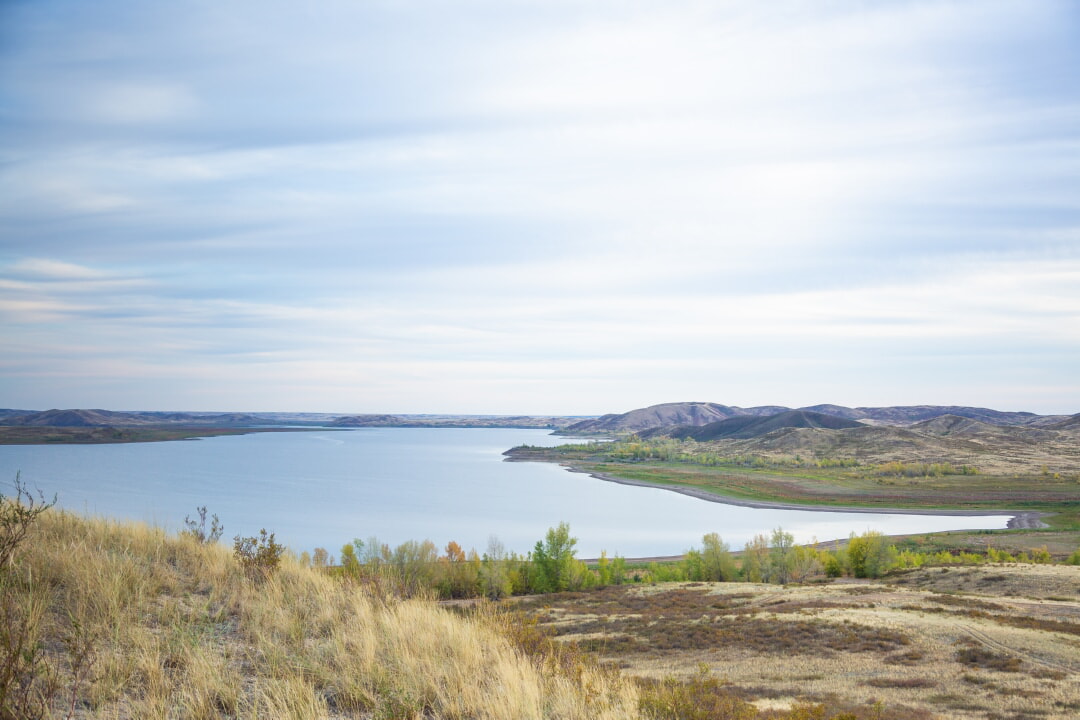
x: 421, y: 569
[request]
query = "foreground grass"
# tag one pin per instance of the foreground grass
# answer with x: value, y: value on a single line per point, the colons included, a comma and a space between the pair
x: 106, y: 620
x: 129, y: 622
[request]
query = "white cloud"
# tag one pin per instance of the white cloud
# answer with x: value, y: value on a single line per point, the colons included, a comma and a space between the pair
x: 576, y: 205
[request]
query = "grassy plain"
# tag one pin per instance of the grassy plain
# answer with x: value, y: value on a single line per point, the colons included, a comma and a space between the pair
x: 959, y: 642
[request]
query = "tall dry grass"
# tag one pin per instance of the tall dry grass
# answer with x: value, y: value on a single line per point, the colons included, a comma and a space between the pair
x: 138, y: 623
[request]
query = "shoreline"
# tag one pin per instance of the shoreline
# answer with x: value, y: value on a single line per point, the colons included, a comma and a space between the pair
x: 1019, y: 519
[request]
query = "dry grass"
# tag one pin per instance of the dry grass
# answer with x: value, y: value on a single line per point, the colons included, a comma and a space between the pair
x: 995, y: 642
x: 139, y: 625
x: 135, y: 624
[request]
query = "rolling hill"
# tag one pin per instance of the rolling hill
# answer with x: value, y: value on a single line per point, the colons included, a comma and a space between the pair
x: 697, y: 414
x: 749, y: 426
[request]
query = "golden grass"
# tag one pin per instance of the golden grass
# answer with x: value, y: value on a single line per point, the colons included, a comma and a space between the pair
x: 140, y: 624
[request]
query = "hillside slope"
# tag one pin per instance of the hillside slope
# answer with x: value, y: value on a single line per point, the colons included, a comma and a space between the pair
x: 138, y: 624
x: 751, y: 427
x: 667, y: 415
x: 697, y: 414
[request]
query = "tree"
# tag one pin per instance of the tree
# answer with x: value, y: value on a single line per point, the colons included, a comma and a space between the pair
x: 781, y: 556
x: 755, y: 566
x: 495, y: 582
x: 805, y: 562
x: 869, y: 556
x: 717, y: 565
x: 603, y: 569
x: 414, y: 564
x: 553, y: 560
x: 459, y: 577
x: 618, y: 570
x: 350, y: 563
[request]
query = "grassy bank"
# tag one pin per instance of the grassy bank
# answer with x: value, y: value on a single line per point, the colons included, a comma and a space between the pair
x: 124, y: 621
x: 834, y: 484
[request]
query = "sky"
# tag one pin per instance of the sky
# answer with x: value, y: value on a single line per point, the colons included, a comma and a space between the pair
x: 509, y: 207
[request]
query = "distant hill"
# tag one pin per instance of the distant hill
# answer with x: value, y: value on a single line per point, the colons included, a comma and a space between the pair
x: 543, y: 422
x: 697, y: 414
x: 111, y: 418
x: 367, y: 421
x: 906, y: 414
x: 73, y: 418
x: 669, y: 414
x: 748, y: 426
x: 957, y: 426
x: 7, y: 413
x: 1071, y: 423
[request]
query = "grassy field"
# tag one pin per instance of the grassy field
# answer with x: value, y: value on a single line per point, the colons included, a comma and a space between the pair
x: 970, y: 642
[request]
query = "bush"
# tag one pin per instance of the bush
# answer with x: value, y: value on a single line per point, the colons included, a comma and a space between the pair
x: 27, y: 683
x: 17, y: 514
x: 197, y: 530
x: 703, y: 697
x: 258, y: 556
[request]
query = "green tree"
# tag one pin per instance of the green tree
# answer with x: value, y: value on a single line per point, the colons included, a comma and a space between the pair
x: 717, y: 565
x: 553, y: 560
x: 692, y: 564
x: 603, y: 569
x: 618, y: 570
x: 755, y: 565
x: 781, y: 556
x: 869, y: 555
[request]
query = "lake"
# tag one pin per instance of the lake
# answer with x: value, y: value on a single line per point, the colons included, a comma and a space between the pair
x: 324, y: 488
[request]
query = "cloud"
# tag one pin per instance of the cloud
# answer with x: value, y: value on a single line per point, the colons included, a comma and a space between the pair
x: 447, y: 201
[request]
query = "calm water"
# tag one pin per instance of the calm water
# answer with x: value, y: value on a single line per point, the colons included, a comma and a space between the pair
x: 325, y: 488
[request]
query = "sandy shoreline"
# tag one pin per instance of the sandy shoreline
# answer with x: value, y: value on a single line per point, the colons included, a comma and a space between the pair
x: 1023, y: 519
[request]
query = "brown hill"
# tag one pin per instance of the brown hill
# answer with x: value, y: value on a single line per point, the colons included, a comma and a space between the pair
x: 907, y: 414
x: 1071, y: 423
x: 697, y: 414
x: 111, y: 418
x: 956, y: 426
x: 749, y: 426
x: 669, y: 414
x: 992, y: 449
x: 72, y: 418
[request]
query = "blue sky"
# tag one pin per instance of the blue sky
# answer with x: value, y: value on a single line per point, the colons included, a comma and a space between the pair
x: 539, y: 207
